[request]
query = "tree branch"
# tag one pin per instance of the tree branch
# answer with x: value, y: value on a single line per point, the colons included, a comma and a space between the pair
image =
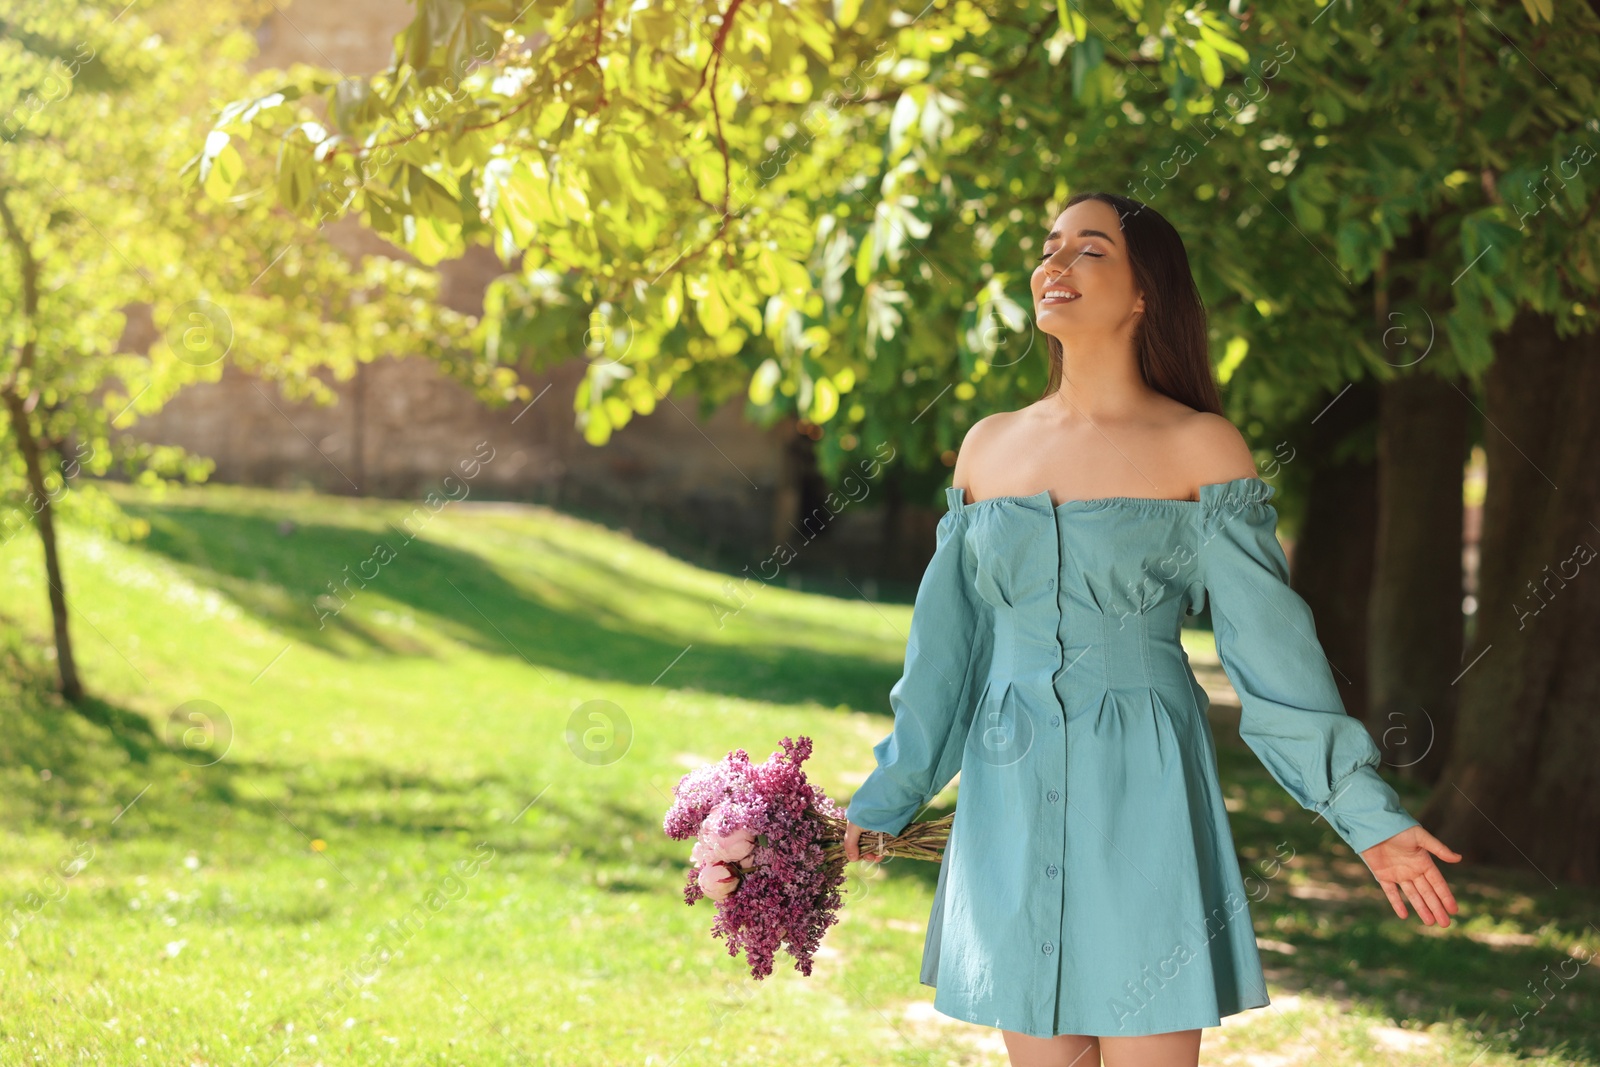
x: 30, y: 292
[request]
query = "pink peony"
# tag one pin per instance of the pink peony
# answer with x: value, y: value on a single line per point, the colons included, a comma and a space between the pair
x: 717, y: 881
x: 731, y: 847
x: 700, y: 855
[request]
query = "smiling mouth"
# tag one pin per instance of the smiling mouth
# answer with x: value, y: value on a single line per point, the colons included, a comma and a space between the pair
x: 1058, y: 296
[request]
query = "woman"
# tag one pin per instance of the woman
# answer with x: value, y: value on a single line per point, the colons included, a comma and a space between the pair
x: 1089, y: 902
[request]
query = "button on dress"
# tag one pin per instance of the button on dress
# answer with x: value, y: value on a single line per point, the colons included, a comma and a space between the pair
x: 1090, y: 884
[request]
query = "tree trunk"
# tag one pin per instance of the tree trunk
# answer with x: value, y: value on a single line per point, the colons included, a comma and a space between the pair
x: 1333, y: 557
x: 44, y: 518
x: 891, y: 538
x: 1415, y: 630
x: 1522, y: 786
x: 19, y: 400
x: 358, y: 426
x: 786, y: 491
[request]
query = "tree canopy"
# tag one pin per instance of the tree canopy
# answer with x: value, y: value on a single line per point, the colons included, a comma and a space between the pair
x: 828, y: 207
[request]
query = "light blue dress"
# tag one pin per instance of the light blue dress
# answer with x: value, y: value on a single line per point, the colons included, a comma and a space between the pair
x: 1090, y: 885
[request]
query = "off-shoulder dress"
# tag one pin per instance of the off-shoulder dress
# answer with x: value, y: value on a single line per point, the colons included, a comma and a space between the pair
x: 1090, y: 884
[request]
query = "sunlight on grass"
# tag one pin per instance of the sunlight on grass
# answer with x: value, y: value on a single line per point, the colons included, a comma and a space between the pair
x: 422, y: 845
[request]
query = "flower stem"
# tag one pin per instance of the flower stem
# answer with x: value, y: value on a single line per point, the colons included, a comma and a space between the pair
x: 918, y: 841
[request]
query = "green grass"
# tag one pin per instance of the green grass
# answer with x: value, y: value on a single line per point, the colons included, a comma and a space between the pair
x: 401, y: 857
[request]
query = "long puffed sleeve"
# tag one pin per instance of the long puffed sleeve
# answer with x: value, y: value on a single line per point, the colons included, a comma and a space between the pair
x: 1292, y: 716
x: 947, y: 656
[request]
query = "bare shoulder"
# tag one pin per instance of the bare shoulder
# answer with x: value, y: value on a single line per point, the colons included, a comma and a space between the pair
x: 979, y: 447
x: 1216, y: 450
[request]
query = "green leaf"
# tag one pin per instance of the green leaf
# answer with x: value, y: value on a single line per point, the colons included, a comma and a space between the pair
x: 1210, y: 63
x: 1539, y: 8
x: 764, y: 381
x: 603, y: 179
x: 419, y: 39
x: 245, y: 112
x: 711, y: 308
x: 294, y: 177
x: 1222, y: 43
x: 866, y: 259
x: 1087, y: 54
x: 1307, y: 214
x: 223, y: 173
x: 1237, y: 349
x: 767, y: 278
x: 824, y: 401
x: 351, y: 100
x: 672, y: 303
x: 1352, y: 244
x: 515, y: 198
x: 1075, y: 23
x: 816, y: 35
x: 741, y: 298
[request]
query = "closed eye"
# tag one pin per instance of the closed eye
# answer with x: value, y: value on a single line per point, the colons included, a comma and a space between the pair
x: 1086, y: 252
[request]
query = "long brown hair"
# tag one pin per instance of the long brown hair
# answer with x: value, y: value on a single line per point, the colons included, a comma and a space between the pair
x: 1170, y: 337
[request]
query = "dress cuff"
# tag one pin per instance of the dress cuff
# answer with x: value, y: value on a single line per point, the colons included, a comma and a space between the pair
x: 1365, y: 810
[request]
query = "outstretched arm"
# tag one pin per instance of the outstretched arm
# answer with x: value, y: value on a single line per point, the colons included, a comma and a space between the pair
x: 1292, y: 716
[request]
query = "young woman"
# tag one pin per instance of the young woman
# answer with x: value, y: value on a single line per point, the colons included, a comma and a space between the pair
x: 1090, y: 903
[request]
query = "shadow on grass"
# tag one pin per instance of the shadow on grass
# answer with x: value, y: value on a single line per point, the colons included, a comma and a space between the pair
x: 41, y: 731
x: 278, y: 577
x: 1325, y: 927
x: 62, y: 770
x: 1332, y: 929
x: 129, y: 730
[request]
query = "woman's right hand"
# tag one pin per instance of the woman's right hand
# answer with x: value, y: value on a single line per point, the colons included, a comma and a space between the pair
x: 852, y: 845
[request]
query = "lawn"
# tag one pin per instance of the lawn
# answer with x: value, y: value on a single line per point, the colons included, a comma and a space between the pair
x: 430, y: 832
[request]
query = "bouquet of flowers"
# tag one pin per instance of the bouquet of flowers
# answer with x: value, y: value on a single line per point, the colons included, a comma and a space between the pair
x: 769, y: 850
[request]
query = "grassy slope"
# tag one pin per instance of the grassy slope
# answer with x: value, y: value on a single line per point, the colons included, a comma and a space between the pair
x: 233, y: 910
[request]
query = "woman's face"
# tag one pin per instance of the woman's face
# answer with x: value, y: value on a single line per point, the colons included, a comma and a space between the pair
x: 1086, y: 252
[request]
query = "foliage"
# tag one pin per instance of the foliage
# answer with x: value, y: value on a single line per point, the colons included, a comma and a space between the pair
x: 718, y: 202
x: 118, y: 290
x: 829, y: 207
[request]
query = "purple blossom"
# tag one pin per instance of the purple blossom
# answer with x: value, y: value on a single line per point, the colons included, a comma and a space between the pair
x: 788, y: 895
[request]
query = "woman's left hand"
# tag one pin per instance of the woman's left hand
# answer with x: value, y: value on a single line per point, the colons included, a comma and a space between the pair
x: 1404, y: 864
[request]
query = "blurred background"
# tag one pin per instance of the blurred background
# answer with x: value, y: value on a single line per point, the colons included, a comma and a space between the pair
x: 430, y: 428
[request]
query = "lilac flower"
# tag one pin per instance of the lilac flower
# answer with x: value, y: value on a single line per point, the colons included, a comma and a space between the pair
x: 787, y: 892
